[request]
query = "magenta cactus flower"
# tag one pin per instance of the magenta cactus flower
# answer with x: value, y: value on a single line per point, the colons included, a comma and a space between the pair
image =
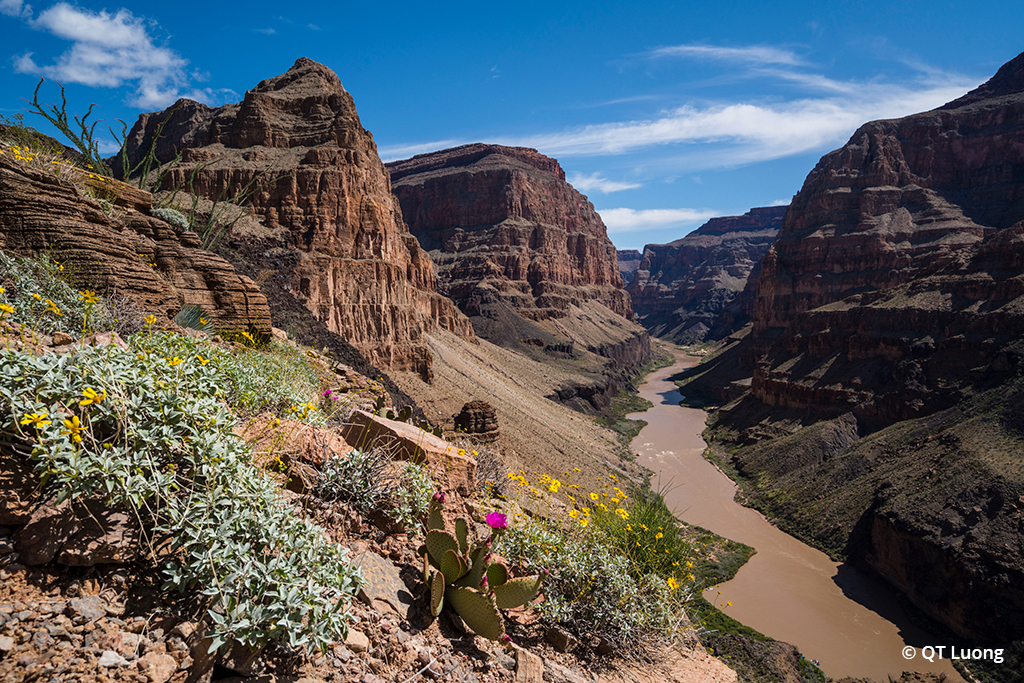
x: 497, y: 520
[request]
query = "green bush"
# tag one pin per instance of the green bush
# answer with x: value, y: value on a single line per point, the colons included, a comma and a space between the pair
x: 41, y: 296
x: 174, y: 217
x: 278, y: 377
x: 146, y: 428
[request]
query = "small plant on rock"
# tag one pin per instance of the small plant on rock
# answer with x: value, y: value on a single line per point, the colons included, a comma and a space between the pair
x: 464, y: 572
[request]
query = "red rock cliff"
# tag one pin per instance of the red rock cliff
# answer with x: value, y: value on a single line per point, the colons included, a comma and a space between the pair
x: 361, y: 272
x: 899, y: 197
x: 681, y: 289
x: 503, y: 219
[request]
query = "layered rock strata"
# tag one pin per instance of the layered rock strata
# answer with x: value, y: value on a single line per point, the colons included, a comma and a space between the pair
x: 629, y: 261
x: 527, y: 258
x: 882, y: 418
x: 502, y: 221
x: 116, y: 247
x: 681, y: 290
x: 298, y: 140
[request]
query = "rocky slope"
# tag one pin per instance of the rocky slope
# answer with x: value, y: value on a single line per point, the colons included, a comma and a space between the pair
x: 680, y: 290
x: 115, y: 246
x: 527, y: 258
x: 351, y: 260
x: 882, y: 417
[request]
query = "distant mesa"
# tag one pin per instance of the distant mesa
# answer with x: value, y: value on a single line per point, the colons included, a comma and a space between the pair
x: 696, y: 287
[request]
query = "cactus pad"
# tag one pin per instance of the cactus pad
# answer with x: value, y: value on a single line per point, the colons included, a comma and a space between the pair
x: 453, y: 567
x: 517, y: 592
x: 497, y: 574
x: 462, y: 533
x: 434, y: 518
x: 478, y: 611
x: 439, y: 542
x: 436, y: 594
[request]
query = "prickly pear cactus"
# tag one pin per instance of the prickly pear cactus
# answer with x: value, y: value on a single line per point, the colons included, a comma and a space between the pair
x: 461, y: 571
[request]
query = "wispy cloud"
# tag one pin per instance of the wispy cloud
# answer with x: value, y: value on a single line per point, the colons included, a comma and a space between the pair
x: 398, y: 152
x: 111, y: 50
x: 15, y: 8
x: 595, y: 181
x: 632, y: 220
x: 752, y: 54
x: 266, y: 31
x: 745, y: 132
x: 781, y: 202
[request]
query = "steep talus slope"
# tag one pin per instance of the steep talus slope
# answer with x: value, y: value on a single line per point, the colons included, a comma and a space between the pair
x: 527, y: 258
x: 358, y: 268
x: 117, y: 247
x: 681, y: 290
x: 881, y: 419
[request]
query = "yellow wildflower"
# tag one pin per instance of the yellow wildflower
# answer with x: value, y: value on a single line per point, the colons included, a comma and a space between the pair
x: 150, y: 320
x: 622, y: 513
x: 555, y: 485
x: 6, y: 308
x: 584, y: 521
x: 658, y: 535
x: 202, y: 360
x: 74, y: 429
x: 92, y: 397
x: 574, y: 513
x: 673, y: 583
x: 88, y: 296
x: 174, y: 361
x: 594, y: 496
x: 37, y: 420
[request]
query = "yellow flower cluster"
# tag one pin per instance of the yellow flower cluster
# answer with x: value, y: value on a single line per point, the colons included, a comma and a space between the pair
x: 23, y: 153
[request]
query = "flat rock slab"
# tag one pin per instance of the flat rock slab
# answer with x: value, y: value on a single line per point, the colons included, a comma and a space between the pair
x: 383, y: 583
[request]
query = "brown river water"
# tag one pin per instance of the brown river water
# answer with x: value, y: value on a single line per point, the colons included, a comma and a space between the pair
x: 849, y: 622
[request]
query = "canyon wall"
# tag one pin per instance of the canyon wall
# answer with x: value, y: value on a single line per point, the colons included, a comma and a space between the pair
x: 690, y: 289
x: 892, y: 302
x: 297, y: 140
x: 526, y: 257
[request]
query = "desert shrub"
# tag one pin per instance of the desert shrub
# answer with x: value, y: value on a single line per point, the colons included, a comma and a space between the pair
x: 174, y: 217
x: 277, y: 378
x: 619, y: 568
x: 410, y: 498
x: 40, y: 295
x: 151, y: 433
x: 195, y: 318
x: 359, y: 478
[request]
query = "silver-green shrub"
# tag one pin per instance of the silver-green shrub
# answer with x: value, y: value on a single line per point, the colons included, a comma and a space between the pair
x: 150, y: 431
x: 174, y: 217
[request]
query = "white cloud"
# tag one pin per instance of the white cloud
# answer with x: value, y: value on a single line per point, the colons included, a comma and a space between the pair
x: 265, y: 31
x: 399, y: 152
x: 754, y: 131
x: 781, y: 202
x: 753, y: 54
x: 110, y: 51
x: 595, y: 181
x: 632, y: 220
x: 15, y: 8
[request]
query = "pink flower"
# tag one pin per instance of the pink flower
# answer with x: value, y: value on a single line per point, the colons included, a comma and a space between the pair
x: 497, y: 520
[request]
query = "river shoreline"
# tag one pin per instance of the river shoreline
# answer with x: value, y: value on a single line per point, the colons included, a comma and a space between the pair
x: 788, y: 590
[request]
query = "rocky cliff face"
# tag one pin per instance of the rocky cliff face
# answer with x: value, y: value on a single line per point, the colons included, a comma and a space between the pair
x: 681, y: 290
x: 502, y: 221
x: 358, y: 269
x: 629, y: 261
x: 892, y: 302
x: 118, y: 248
x: 527, y: 258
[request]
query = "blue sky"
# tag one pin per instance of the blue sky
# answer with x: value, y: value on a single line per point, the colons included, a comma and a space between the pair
x: 663, y: 114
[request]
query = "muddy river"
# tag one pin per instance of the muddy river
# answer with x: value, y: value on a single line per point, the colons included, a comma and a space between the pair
x: 847, y: 621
